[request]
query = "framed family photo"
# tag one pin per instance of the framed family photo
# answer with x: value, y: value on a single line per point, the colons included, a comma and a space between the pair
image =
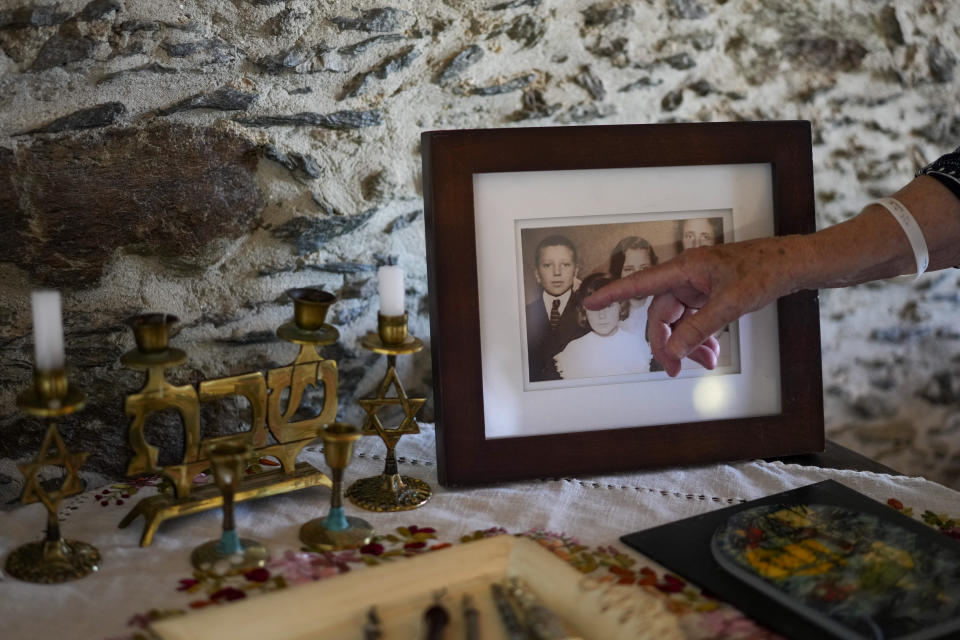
x: 523, y: 223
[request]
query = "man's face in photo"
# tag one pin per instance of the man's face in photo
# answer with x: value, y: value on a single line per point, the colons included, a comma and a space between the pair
x: 556, y: 269
x: 698, y: 232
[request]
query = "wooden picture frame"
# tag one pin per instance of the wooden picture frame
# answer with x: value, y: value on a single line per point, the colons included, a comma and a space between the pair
x: 483, y: 188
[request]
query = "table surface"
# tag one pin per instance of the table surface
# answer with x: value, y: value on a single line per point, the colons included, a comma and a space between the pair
x: 580, y: 518
x: 836, y: 456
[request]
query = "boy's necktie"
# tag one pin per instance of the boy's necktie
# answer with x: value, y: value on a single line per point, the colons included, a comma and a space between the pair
x: 555, y: 315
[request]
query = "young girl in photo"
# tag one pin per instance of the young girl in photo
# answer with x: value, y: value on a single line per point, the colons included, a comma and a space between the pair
x: 609, y: 349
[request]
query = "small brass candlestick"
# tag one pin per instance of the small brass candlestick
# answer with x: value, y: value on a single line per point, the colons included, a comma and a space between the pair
x: 337, y: 530
x: 53, y: 559
x: 231, y: 554
x: 390, y: 491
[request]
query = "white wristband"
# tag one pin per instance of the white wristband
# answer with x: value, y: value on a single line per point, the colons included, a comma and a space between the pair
x: 912, y: 230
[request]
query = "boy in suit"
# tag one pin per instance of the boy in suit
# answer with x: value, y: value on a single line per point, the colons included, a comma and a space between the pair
x: 552, y: 315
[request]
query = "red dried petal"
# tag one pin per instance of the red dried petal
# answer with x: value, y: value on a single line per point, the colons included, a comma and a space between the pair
x: 372, y: 549
x: 896, y: 504
x: 415, y: 545
x: 669, y: 588
x: 257, y: 575
x: 186, y: 583
x: 229, y: 594
x: 671, y: 584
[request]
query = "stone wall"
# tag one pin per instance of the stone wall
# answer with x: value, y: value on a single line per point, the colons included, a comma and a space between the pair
x: 201, y: 157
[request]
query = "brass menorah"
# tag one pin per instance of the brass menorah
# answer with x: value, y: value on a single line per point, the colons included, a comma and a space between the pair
x: 270, y: 416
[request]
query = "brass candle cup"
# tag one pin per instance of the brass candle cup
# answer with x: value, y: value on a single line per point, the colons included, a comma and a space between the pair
x: 51, y: 395
x: 229, y: 459
x: 392, y: 329
x: 310, y: 306
x: 337, y: 530
x: 50, y: 385
x: 151, y: 331
x: 338, y: 439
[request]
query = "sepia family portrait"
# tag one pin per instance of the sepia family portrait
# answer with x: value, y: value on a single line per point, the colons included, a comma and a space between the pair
x: 565, y: 264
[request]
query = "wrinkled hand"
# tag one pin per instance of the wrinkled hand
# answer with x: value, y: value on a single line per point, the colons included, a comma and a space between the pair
x: 701, y: 291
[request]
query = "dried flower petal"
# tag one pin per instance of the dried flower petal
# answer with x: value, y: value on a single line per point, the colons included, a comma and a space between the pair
x: 228, y: 594
x: 257, y: 575
x: 186, y: 583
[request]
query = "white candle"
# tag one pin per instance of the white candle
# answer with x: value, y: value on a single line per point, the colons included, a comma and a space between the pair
x: 391, y: 291
x: 47, y: 330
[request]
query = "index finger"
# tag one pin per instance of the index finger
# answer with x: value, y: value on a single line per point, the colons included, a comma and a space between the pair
x: 649, y: 282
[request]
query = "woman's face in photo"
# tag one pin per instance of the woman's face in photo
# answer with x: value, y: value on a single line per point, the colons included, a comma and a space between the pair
x: 635, y: 260
x: 698, y: 232
x: 604, y: 321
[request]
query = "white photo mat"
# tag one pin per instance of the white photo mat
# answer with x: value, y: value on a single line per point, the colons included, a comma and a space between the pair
x: 506, y: 202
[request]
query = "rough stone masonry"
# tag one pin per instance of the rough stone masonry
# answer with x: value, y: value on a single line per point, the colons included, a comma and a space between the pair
x: 201, y: 157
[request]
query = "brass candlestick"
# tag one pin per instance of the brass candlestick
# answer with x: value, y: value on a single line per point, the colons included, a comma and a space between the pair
x: 337, y: 530
x: 390, y: 491
x: 274, y: 398
x: 231, y: 554
x: 53, y: 559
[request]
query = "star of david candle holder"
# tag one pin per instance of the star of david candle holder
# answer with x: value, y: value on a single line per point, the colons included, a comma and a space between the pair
x: 337, y: 530
x: 231, y: 554
x: 390, y: 491
x: 53, y: 559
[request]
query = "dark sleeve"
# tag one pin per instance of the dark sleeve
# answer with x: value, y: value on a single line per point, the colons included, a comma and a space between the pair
x: 946, y: 170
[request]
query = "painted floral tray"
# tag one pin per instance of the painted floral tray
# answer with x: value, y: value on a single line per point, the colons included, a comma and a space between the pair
x: 819, y: 561
x: 337, y: 609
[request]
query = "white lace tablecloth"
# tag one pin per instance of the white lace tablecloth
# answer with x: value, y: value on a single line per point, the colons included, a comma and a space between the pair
x: 596, y: 510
